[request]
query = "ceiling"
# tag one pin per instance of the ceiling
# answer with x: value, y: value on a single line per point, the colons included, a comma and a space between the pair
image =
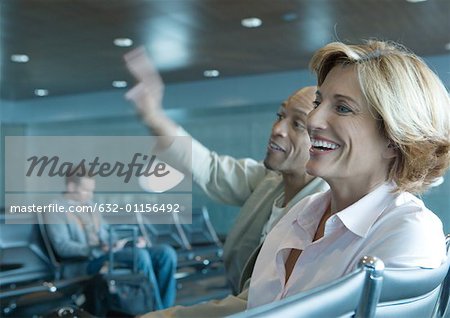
x: 71, y: 51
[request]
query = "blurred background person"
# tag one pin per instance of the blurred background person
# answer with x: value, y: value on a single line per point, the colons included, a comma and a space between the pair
x: 85, y: 234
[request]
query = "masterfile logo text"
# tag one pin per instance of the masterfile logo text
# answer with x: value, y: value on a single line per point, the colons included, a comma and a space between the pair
x: 130, y: 176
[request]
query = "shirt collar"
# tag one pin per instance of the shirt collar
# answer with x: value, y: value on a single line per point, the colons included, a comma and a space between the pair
x: 311, y: 211
x: 357, y: 218
x: 361, y: 215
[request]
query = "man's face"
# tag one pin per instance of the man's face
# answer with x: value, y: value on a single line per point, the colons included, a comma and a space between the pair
x: 82, y: 192
x: 289, y: 143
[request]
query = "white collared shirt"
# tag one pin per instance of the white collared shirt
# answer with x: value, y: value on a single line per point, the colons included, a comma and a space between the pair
x: 397, y: 228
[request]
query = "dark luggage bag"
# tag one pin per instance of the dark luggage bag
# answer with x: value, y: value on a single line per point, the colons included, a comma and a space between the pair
x: 123, y: 290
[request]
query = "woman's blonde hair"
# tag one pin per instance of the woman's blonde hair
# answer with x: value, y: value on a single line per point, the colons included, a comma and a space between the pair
x: 409, y: 99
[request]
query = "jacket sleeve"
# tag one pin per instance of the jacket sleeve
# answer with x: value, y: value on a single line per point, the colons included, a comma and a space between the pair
x: 223, y: 178
x: 66, y: 245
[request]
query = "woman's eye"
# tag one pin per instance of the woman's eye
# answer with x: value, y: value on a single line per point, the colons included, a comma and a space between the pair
x: 316, y: 104
x: 343, y: 109
x: 279, y: 116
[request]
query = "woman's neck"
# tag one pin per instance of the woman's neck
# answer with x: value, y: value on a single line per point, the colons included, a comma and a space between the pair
x: 344, y: 196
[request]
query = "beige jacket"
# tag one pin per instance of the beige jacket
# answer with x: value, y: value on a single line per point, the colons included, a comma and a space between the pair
x: 241, y: 182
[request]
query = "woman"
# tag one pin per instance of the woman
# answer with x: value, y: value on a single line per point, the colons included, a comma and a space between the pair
x: 380, y: 131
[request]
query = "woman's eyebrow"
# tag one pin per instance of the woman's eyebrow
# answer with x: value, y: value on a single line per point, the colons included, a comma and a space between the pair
x: 346, y: 97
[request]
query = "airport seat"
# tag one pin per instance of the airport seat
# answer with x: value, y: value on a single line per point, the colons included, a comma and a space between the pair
x: 155, y: 231
x: 442, y: 308
x: 162, y: 230
x: 23, y: 257
x: 27, y: 274
x: 197, y: 244
x: 397, y: 292
x: 354, y: 295
x: 415, y: 292
x: 62, y: 267
x: 202, y: 237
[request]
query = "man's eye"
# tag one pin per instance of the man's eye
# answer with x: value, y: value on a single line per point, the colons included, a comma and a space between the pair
x: 298, y: 124
x: 279, y: 116
x: 316, y: 104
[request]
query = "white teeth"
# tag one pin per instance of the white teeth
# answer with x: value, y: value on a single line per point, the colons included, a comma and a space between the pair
x: 275, y: 147
x: 324, y: 144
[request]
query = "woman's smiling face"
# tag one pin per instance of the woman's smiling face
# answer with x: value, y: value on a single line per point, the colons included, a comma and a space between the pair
x: 347, y: 143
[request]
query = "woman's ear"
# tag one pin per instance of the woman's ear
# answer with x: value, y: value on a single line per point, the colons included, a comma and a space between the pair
x: 391, y: 150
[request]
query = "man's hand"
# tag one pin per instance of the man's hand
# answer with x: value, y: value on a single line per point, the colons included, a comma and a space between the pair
x: 141, y: 243
x: 120, y: 244
x: 147, y: 95
x: 140, y: 65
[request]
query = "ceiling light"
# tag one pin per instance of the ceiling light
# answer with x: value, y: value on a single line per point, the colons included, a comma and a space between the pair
x: 41, y: 92
x: 447, y: 46
x: 415, y: 1
x: 119, y: 84
x: 211, y: 73
x: 123, y: 42
x: 251, y: 22
x: 20, y: 58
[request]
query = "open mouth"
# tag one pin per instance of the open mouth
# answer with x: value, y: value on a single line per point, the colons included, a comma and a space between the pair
x: 275, y: 147
x: 322, y: 145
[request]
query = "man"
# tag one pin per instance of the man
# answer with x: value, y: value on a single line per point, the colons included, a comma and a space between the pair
x: 84, y: 234
x: 265, y: 192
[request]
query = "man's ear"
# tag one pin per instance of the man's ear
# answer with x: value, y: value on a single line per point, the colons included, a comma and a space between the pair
x: 391, y: 150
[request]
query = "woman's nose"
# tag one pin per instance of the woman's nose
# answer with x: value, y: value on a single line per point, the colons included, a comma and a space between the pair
x: 317, y: 118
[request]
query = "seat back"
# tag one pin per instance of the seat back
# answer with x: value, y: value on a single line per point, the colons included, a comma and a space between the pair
x: 355, y: 294
x: 414, y: 292
x: 28, y: 281
x: 206, y: 248
x: 157, y: 233
x: 200, y: 232
x: 395, y: 293
x: 69, y: 267
x: 442, y: 308
x: 23, y: 256
x: 158, y: 228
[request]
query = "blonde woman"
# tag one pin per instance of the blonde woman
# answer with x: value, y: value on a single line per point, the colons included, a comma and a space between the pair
x: 380, y: 132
